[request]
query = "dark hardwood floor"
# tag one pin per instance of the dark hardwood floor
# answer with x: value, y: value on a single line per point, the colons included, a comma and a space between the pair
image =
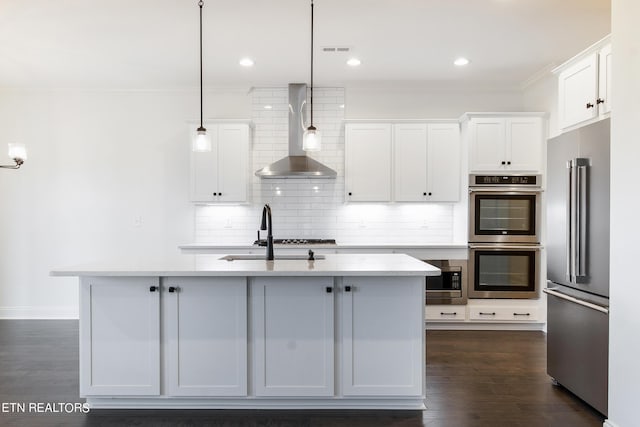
x: 474, y: 378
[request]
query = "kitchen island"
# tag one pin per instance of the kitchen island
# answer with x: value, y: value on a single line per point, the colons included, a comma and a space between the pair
x: 344, y: 331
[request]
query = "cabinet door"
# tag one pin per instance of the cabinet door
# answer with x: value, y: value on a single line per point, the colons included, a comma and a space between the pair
x: 383, y: 336
x: 524, y: 143
x: 368, y: 162
x: 233, y: 158
x: 604, y: 80
x: 292, y: 324
x: 443, y: 163
x: 410, y: 162
x: 204, y: 170
x: 206, y: 336
x: 577, y: 92
x: 119, y: 336
x: 487, y: 144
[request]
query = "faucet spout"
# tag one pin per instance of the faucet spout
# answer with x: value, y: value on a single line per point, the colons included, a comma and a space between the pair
x: 266, y: 224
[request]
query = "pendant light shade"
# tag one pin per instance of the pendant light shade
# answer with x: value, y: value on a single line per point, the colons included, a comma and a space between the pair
x: 17, y: 152
x: 201, y: 141
x: 311, y: 139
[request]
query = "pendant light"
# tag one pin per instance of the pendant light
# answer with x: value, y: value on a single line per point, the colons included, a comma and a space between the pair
x: 311, y: 139
x: 202, y: 141
x: 18, y: 152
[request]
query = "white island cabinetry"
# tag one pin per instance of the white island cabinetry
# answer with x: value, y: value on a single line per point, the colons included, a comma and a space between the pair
x: 345, y: 331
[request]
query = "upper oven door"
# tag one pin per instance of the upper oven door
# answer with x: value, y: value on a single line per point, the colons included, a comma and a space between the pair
x: 504, y: 216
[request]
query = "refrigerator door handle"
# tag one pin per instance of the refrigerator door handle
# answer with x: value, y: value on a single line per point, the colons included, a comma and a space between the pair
x: 581, y: 218
x: 569, y: 201
x: 555, y: 293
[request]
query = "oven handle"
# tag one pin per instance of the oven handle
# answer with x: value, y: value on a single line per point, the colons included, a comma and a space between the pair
x: 555, y: 293
x: 507, y: 191
x: 498, y: 246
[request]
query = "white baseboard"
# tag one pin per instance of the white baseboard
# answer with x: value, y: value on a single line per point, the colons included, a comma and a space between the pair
x: 29, y: 312
x: 609, y: 423
x: 470, y: 326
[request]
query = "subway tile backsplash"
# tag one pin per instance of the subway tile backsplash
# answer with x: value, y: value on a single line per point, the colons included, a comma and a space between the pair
x: 315, y: 208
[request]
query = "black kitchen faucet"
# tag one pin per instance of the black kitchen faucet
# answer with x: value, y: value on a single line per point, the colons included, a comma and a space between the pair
x: 266, y: 215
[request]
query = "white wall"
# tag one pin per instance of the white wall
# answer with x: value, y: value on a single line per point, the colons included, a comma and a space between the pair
x: 542, y: 95
x: 106, y: 177
x: 624, y: 327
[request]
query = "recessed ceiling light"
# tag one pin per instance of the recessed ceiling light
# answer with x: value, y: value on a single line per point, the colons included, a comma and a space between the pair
x: 247, y: 62
x: 461, y: 62
x: 268, y: 107
x: 353, y: 62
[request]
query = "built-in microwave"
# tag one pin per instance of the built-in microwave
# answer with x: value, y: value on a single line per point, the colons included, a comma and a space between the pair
x: 504, y: 208
x: 504, y: 271
x: 451, y: 286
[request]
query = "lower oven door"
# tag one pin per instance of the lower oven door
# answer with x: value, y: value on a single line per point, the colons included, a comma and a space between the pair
x: 504, y: 271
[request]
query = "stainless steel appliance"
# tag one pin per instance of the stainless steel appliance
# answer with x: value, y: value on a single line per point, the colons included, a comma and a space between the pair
x: 504, y: 208
x: 451, y: 286
x: 578, y: 262
x: 503, y: 271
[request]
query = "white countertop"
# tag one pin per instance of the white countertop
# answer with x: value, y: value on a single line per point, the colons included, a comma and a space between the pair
x: 217, y: 246
x: 332, y: 265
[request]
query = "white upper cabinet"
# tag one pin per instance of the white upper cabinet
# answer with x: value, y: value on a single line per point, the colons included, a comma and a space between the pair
x: 368, y: 162
x: 502, y: 143
x: 584, y: 84
x: 419, y: 161
x: 221, y: 175
x: 426, y: 162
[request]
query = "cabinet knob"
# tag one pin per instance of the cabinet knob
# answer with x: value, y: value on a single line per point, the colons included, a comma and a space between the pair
x: 508, y: 163
x: 215, y: 194
x: 219, y: 194
x: 503, y: 162
x: 429, y: 193
x: 589, y: 105
x: 173, y: 289
x: 599, y: 101
x: 424, y: 194
x: 153, y: 288
x: 329, y: 289
x: 350, y: 193
x: 347, y: 288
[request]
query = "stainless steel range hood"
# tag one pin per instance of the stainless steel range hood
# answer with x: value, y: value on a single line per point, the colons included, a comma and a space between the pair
x: 296, y: 164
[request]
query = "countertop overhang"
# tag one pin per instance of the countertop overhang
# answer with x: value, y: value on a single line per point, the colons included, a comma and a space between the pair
x: 332, y: 265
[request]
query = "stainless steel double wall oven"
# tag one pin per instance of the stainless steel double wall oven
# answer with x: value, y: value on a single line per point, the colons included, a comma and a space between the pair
x: 504, y: 236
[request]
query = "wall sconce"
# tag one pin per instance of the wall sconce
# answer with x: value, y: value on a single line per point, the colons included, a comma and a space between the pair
x: 18, y: 152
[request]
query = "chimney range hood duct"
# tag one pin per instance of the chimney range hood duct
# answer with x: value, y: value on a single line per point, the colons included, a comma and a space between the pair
x: 296, y: 164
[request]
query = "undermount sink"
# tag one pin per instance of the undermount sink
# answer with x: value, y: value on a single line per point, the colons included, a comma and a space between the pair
x: 277, y: 257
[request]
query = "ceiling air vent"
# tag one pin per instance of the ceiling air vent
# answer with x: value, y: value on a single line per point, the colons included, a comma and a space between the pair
x: 336, y: 49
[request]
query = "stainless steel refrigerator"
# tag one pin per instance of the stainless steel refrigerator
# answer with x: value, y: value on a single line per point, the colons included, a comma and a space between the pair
x: 578, y: 262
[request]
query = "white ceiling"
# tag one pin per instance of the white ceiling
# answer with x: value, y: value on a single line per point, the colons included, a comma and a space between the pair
x: 150, y: 44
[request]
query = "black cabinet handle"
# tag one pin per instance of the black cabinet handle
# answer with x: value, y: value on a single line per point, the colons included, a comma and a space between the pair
x: 329, y: 289
x: 442, y: 313
x: 347, y: 288
x: 172, y: 289
x: 350, y: 193
x: 153, y: 288
x: 429, y: 193
x: 215, y: 194
x: 599, y: 101
x: 508, y: 163
x: 424, y: 194
x: 487, y: 314
x: 522, y: 314
x: 219, y: 194
x: 503, y: 162
x: 589, y: 105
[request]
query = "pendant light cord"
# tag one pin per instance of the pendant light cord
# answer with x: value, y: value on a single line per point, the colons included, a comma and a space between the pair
x: 201, y: 3
x: 311, y: 63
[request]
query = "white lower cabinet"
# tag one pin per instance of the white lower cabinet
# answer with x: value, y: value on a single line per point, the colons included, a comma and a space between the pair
x: 446, y: 313
x: 292, y: 326
x: 205, y: 327
x: 119, y: 336
x: 381, y: 329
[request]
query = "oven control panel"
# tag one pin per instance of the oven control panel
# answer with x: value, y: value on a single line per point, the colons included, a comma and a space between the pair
x: 498, y: 180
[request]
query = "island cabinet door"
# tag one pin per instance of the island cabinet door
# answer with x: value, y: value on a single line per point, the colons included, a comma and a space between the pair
x: 382, y: 336
x: 292, y: 325
x: 119, y: 336
x: 205, y: 335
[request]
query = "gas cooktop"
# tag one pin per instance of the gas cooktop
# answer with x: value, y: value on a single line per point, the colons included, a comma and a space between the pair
x: 263, y: 242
